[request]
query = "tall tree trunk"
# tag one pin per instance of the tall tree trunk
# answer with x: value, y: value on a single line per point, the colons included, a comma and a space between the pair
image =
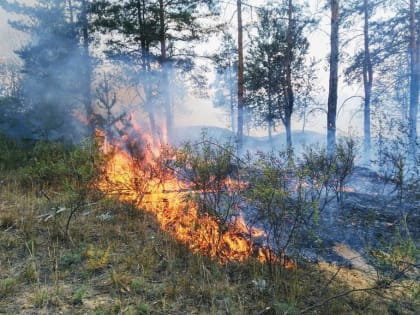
x: 333, y: 80
x: 270, y: 119
x: 165, y: 70
x: 367, y: 83
x: 414, y: 82
x: 240, y: 132
x: 87, y: 93
x: 145, y: 64
x: 140, y: 7
x: 289, y: 90
x: 288, y: 126
x: 232, y: 98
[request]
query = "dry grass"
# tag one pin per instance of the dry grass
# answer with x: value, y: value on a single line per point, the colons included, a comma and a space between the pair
x: 119, y: 262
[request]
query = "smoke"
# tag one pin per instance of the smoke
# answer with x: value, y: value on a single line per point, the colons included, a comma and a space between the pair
x: 10, y: 39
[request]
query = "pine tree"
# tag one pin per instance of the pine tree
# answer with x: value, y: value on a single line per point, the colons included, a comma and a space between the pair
x: 333, y: 80
x: 225, y: 82
x: 52, y: 67
x: 275, y: 70
x: 148, y: 39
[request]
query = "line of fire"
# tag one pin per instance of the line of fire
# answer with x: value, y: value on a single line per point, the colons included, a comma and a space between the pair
x: 136, y: 172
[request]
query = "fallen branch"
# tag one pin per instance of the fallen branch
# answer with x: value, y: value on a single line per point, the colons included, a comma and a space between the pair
x: 47, y: 216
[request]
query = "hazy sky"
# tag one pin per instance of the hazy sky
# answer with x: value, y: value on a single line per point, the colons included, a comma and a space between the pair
x: 5, y: 36
x: 200, y: 111
x: 9, y: 38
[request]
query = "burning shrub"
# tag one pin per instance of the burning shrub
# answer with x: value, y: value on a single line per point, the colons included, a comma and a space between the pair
x: 193, y: 191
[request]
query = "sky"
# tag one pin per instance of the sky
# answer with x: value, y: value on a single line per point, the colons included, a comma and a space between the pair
x: 7, y: 37
x: 200, y: 111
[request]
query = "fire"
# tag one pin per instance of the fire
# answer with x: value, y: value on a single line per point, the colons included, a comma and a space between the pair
x: 141, y: 182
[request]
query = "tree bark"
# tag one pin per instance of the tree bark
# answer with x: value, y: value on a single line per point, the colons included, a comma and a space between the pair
x: 145, y: 64
x: 240, y: 126
x: 289, y: 88
x: 414, y: 82
x: 165, y: 69
x: 333, y: 80
x: 87, y: 93
x: 232, y: 98
x: 367, y: 83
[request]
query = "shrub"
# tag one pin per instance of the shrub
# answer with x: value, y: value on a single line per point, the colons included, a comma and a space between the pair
x: 70, y: 169
x: 97, y: 258
x: 209, y: 167
x: 281, y: 199
x: 7, y: 286
x: 12, y: 154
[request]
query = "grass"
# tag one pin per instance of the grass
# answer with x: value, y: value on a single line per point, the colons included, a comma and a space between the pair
x: 122, y: 263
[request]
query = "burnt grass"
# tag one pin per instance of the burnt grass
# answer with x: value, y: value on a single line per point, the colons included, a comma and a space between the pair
x: 372, y: 214
x: 117, y: 261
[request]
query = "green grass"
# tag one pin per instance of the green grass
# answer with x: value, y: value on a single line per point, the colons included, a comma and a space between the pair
x: 126, y: 265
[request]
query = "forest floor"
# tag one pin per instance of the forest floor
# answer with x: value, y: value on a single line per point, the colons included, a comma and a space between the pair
x: 117, y: 261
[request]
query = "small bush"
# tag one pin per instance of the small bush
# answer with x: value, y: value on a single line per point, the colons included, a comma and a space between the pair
x: 7, y: 221
x: 97, y: 258
x: 209, y: 168
x: 12, y: 154
x: 78, y: 297
x: 30, y: 273
x: 47, y: 165
x: 70, y: 260
x: 41, y: 298
x: 7, y: 286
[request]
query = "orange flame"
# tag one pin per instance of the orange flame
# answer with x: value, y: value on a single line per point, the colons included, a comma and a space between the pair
x: 136, y: 181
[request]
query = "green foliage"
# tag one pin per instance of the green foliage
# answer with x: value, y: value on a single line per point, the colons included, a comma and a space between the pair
x: 208, y: 166
x: 12, y: 154
x: 283, y: 200
x: 30, y: 272
x: 288, y: 194
x: 41, y: 298
x: 142, y: 309
x: 396, y: 260
x: 326, y: 173
x: 278, y: 50
x: 7, y: 286
x: 70, y: 260
x: 47, y: 164
x: 78, y: 296
x: 284, y: 194
x: 71, y: 169
x: 148, y: 272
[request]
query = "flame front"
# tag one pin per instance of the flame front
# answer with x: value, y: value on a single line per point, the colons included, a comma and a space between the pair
x: 137, y: 181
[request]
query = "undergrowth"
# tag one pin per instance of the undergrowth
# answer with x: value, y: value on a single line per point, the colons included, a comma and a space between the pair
x: 117, y: 261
